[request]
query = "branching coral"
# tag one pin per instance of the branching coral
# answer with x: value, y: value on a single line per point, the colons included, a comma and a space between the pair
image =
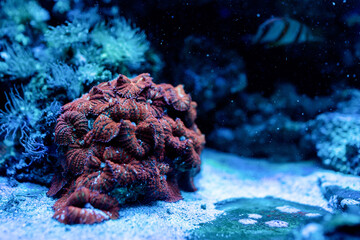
x: 64, y: 36
x: 92, y: 72
x: 27, y: 154
x: 29, y: 12
x: 17, y: 62
x: 51, y: 113
x: 17, y: 15
x: 18, y: 117
x: 115, y: 46
x: 121, y: 43
x: 126, y: 139
x: 35, y: 150
x: 62, y: 6
x: 63, y: 76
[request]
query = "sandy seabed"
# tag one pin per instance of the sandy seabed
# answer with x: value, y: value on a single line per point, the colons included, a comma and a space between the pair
x: 26, y: 211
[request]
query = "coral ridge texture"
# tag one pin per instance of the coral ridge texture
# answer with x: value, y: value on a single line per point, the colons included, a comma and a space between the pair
x: 126, y: 140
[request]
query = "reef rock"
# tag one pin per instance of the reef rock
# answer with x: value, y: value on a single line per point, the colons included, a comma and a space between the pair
x: 336, y: 137
x: 126, y: 140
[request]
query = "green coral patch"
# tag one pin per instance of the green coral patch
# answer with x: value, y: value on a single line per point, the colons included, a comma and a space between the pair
x: 257, y: 218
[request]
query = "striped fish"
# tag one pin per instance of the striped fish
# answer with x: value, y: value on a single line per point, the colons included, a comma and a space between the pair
x: 283, y: 31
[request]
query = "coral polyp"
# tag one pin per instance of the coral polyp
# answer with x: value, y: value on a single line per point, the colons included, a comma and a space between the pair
x: 125, y: 140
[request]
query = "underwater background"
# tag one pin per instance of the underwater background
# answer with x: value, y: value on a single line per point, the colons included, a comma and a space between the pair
x: 277, y: 98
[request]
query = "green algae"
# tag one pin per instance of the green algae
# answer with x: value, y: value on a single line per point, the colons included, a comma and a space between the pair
x: 236, y: 223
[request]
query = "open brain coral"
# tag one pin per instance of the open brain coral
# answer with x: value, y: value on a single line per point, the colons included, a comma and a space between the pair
x: 125, y: 140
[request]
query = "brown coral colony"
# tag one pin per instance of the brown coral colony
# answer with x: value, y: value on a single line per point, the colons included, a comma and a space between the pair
x: 126, y: 139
